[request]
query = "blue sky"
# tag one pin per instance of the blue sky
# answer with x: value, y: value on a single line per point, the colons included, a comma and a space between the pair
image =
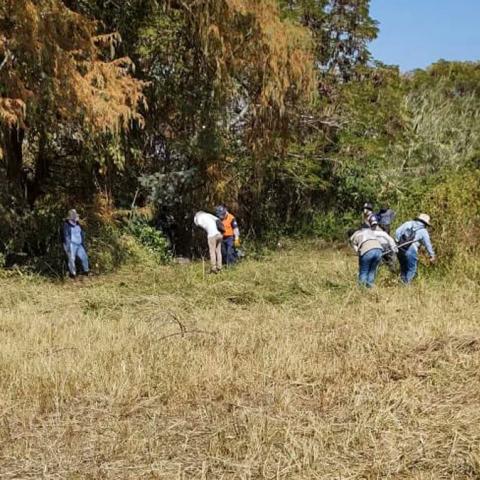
x: 416, y: 33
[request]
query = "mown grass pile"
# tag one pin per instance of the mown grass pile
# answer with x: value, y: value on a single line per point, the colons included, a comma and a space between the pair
x: 280, y: 368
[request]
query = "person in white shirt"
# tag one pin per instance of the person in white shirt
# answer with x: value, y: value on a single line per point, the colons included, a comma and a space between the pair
x: 208, y: 223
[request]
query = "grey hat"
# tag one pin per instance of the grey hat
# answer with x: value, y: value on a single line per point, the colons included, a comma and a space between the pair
x: 73, y: 215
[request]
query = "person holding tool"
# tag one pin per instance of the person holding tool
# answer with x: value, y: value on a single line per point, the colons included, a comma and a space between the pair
x: 231, y: 235
x: 369, y: 250
x: 409, y: 237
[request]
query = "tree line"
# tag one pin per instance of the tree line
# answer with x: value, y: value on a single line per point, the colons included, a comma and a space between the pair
x: 275, y: 108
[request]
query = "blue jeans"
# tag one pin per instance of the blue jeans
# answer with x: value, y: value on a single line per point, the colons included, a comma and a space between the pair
x: 73, y: 251
x: 367, y: 267
x: 408, y: 264
x: 229, y: 254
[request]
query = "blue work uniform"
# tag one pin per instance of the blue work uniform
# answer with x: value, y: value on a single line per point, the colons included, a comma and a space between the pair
x: 408, y: 256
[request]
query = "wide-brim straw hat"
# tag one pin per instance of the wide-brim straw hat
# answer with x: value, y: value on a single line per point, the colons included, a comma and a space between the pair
x: 424, y: 218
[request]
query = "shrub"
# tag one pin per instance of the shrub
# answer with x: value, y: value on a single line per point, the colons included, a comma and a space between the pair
x: 151, y: 238
x: 453, y: 201
x: 332, y: 226
x: 455, y: 208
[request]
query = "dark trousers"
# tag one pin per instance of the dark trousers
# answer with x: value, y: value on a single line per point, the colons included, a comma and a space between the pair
x: 229, y: 254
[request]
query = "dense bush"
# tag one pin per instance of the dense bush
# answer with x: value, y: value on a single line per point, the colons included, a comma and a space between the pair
x: 332, y: 226
x: 452, y: 199
x: 151, y: 238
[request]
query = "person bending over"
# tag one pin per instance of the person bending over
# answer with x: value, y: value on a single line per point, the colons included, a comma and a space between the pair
x: 409, y: 237
x: 369, y: 250
x: 209, y: 224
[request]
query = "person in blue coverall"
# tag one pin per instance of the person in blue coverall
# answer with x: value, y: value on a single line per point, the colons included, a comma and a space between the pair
x: 73, y: 239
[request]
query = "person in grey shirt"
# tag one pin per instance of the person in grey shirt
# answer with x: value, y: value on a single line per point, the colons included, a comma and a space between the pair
x: 369, y: 250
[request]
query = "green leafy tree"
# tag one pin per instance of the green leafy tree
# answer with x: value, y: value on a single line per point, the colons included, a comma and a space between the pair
x: 342, y: 30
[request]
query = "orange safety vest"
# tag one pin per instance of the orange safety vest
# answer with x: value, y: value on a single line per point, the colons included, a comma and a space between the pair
x: 227, y: 223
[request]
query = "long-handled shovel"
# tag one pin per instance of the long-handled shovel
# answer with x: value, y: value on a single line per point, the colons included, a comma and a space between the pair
x: 399, y: 247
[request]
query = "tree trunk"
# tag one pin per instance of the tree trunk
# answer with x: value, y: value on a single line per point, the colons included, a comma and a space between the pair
x: 12, y: 148
x: 42, y: 171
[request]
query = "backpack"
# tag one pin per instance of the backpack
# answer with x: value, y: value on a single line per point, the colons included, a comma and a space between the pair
x: 407, y: 238
x: 386, y: 216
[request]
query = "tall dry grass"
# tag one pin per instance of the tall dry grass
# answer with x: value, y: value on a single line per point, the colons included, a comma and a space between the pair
x: 278, y: 369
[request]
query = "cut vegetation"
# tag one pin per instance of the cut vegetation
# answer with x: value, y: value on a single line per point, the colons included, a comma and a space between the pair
x: 278, y: 369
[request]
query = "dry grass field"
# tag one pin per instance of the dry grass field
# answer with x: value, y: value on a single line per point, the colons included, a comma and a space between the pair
x: 279, y: 369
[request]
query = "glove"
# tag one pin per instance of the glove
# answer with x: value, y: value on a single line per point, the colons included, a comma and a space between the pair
x: 237, y: 242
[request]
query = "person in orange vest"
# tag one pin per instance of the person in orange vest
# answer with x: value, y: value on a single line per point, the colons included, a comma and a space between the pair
x: 231, y: 235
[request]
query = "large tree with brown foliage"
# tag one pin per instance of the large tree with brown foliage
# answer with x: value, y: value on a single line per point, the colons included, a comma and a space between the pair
x: 250, y: 55
x: 218, y: 74
x: 55, y: 70
x: 223, y: 76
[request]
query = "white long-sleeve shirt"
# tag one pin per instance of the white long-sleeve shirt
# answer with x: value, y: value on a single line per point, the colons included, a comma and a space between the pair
x: 208, y: 222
